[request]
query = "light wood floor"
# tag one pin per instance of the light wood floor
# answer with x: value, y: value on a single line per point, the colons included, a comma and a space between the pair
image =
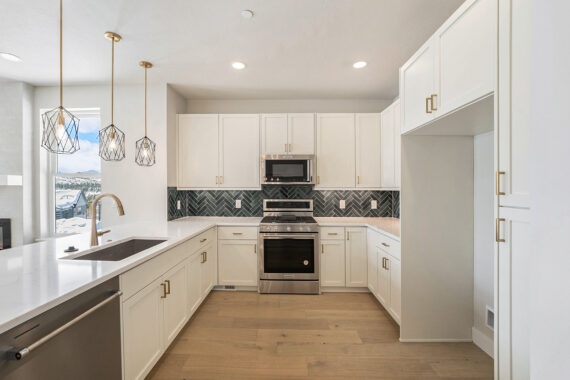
x: 245, y: 335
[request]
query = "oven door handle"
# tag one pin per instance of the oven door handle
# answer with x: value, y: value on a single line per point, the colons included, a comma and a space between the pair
x: 293, y: 235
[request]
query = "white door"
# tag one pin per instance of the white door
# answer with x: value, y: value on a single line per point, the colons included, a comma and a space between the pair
x: 142, y: 330
x: 417, y: 85
x: 388, y: 149
x: 301, y: 128
x: 237, y: 262
x: 373, y: 239
x: 397, y: 145
x: 368, y: 150
x: 194, y: 281
x: 515, y: 262
x: 383, y: 278
x: 239, y: 151
x: 466, y: 45
x: 274, y: 134
x: 175, y: 303
x: 197, y: 151
x: 356, y: 259
x: 332, y: 263
x: 395, y: 269
x: 514, y: 104
x: 335, y: 150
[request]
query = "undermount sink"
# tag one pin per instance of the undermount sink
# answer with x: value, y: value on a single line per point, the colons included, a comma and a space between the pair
x: 120, y: 251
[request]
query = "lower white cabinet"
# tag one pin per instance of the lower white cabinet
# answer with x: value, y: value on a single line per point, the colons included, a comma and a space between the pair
x: 332, y: 263
x: 383, y: 286
x: 395, y: 268
x: 372, y: 240
x: 356, y: 258
x: 208, y: 269
x: 194, y: 280
x: 237, y: 257
x: 175, y: 295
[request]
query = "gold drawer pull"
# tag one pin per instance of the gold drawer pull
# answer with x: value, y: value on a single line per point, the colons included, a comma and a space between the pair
x: 203, y: 240
x: 385, y: 244
x: 333, y: 233
x: 497, y: 183
x: 237, y: 233
x: 498, y: 230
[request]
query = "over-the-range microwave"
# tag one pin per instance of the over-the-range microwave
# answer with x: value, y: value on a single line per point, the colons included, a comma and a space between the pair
x: 287, y: 169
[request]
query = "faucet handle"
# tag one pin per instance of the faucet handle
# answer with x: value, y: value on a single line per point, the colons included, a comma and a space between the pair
x: 101, y: 233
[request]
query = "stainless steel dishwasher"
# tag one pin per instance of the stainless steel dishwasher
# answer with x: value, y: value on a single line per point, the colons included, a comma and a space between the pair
x: 79, y: 339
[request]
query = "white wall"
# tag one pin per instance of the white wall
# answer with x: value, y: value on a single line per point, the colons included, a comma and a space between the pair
x: 141, y: 189
x: 175, y: 104
x: 483, y: 244
x: 550, y: 185
x: 286, y: 105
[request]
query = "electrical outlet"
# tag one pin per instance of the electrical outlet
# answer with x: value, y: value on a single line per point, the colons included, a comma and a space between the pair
x: 238, y: 203
x: 342, y: 204
x: 373, y: 204
x: 178, y: 205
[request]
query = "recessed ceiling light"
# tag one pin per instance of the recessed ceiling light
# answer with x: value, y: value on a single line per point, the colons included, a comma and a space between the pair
x: 246, y: 14
x: 238, y: 65
x: 10, y: 57
x: 359, y: 64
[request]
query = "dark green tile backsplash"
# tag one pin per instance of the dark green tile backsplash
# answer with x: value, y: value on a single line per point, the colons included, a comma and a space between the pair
x: 325, y: 203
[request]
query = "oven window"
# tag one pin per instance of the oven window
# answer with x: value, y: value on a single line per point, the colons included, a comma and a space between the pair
x: 289, y: 255
x: 286, y: 170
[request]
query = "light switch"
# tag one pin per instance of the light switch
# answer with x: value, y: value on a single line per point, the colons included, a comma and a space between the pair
x: 342, y: 204
x: 373, y: 204
x: 238, y: 203
x: 178, y: 206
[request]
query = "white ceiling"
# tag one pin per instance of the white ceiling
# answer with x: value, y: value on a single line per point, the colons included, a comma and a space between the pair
x: 293, y: 48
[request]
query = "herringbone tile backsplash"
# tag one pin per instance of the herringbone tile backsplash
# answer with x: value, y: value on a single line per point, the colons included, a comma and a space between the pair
x: 325, y: 203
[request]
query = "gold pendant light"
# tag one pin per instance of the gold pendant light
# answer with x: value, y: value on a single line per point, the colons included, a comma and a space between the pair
x: 111, y: 138
x: 60, y: 127
x: 145, y: 147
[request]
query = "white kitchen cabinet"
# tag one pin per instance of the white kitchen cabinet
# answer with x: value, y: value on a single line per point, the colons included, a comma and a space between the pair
x: 395, y: 268
x: 194, y: 280
x: 335, y: 151
x: 143, y: 330
x: 237, y: 262
x: 368, y: 150
x: 417, y: 85
x: 383, y: 279
x: 513, y: 177
x: 356, y: 258
x: 274, y: 134
x: 515, y: 263
x: 301, y: 133
x: 398, y: 143
x: 466, y: 59
x: 390, y: 146
x: 333, y: 263
x: 197, y: 151
x: 373, y: 239
x: 175, y: 302
x: 239, y: 151
x: 209, y: 270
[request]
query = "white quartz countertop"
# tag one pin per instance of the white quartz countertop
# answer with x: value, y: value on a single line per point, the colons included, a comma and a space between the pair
x: 36, y: 277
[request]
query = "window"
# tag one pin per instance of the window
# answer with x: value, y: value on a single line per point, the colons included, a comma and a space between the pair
x: 76, y: 178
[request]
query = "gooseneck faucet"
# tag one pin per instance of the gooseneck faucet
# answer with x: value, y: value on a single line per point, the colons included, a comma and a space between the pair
x: 94, y: 233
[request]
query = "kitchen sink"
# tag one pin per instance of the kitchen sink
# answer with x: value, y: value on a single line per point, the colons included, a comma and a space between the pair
x: 120, y: 251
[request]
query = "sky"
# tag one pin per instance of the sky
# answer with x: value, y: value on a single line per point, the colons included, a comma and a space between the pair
x: 87, y: 157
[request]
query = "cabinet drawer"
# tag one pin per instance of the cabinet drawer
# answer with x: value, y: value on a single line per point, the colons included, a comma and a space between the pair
x: 390, y: 246
x: 237, y: 233
x: 332, y: 233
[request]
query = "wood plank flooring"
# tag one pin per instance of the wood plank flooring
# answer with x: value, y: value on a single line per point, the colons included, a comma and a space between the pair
x: 246, y: 335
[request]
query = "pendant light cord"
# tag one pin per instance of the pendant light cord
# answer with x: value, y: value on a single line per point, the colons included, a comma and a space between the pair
x: 112, y: 78
x: 145, y: 68
x: 61, y: 53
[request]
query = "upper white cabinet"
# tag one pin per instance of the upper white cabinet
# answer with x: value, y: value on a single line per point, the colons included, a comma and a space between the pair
x: 390, y: 146
x: 368, y: 150
x: 335, y: 150
x: 453, y: 68
x: 288, y: 133
x: 197, y: 151
x: 239, y: 151
x: 417, y: 87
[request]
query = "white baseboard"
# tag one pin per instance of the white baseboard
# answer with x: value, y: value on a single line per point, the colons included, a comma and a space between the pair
x: 483, y: 341
x: 439, y: 340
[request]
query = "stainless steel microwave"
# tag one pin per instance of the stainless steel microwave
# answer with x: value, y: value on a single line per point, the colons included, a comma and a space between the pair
x: 287, y: 169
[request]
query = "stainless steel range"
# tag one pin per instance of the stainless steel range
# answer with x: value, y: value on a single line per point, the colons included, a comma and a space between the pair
x: 289, y: 241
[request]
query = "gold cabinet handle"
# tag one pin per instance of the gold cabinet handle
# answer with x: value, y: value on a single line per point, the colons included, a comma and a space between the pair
x: 290, y: 149
x: 255, y: 249
x: 385, y: 244
x: 318, y: 180
x: 206, y: 256
x: 203, y: 240
x: 168, y: 286
x: 383, y: 261
x: 433, y: 102
x: 163, y: 290
x: 333, y: 233
x: 498, y: 230
x: 386, y: 264
x: 237, y: 233
x: 427, y: 105
x: 285, y: 148
x: 498, y: 183
x: 322, y: 249
x: 358, y: 180
x: 216, y: 180
x: 347, y: 235
x: 203, y: 258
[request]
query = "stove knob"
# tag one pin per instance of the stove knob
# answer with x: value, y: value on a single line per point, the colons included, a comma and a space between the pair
x: 288, y: 228
x: 306, y: 262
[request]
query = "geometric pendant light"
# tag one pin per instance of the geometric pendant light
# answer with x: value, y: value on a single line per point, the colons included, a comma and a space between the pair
x: 60, y: 127
x: 145, y: 147
x: 111, y: 138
